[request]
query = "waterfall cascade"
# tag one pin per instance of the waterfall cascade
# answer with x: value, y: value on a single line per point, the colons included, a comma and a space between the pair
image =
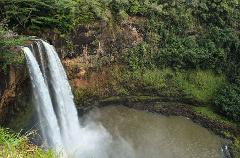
x: 44, y: 103
x: 57, y: 113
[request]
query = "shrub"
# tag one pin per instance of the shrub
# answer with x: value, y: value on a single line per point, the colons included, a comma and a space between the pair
x: 89, y: 10
x: 188, y: 53
x: 227, y: 101
x: 139, y: 57
x: 83, y: 96
x: 236, y: 148
x: 7, y: 56
x: 220, y: 13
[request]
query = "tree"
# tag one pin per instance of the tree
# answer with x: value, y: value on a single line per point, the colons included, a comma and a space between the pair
x: 37, y: 14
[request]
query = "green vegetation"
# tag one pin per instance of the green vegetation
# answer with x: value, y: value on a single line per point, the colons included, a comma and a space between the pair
x: 199, y: 41
x: 189, y: 49
x: 91, y: 10
x: 177, y: 34
x: 201, y: 85
x: 14, y: 145
x: 236, y: 148
x: 161, y: 81
x: 34, y: 15
x: 209, y: 113
x: 228, y: 101
x: 9, y: 56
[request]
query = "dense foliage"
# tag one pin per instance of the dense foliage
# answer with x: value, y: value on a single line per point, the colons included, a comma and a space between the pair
x: 8, y: 55
x: 228, y: 101
x: 34, y: 15
x: 187, y: 35
x: 191, y: 35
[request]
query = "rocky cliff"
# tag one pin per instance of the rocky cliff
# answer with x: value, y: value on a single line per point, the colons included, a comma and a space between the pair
x: 84, y: 48
x: 15, y: 92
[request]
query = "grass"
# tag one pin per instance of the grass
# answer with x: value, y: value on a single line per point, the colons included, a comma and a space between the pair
x: 16, y: 146
x: 209, y: 113
x: 130, y: 98
x: 200, y: 85
x: 236, y: 148
x: 160, y: 80
x: 157, y: 78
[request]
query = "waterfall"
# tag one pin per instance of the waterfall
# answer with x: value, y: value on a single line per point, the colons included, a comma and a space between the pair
x: 57, y: 112
x: 66, y: 110
x: 56, y: 109
x: 44, y: 103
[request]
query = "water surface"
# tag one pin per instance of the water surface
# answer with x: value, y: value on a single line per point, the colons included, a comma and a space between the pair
x: 155, y: 136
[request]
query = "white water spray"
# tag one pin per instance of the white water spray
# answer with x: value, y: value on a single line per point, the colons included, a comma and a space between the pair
x: 54, y: 100
x: 44, y: 103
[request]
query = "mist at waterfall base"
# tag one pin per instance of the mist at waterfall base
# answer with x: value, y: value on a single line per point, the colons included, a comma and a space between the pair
x: 60, y: 126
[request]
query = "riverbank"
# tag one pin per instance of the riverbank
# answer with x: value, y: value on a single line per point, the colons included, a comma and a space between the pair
x: 169, y: 106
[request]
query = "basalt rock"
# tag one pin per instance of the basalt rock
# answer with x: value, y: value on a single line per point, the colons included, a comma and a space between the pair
x: 14, y: 92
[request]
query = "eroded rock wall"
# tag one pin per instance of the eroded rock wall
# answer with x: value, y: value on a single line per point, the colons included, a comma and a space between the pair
x: 86, y: 46
x: 15, y: 92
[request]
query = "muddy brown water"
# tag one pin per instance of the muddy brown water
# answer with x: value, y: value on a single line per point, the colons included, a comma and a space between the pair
x: 155, y: 136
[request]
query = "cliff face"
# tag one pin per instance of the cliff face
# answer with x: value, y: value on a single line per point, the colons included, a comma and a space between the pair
x: 103, y: 38
x: 14, y: 91
x: 98, y: 38
x: 85, y: 47
x: 97, y: 45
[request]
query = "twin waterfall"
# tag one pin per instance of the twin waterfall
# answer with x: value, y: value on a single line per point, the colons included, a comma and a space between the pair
x: 60, y: 126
